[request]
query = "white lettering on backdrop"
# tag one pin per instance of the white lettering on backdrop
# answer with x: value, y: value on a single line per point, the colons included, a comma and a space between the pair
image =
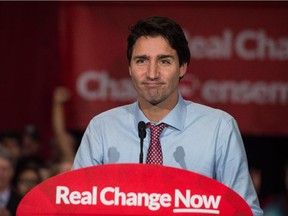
x: 211, y: 91
x: 247, y: 45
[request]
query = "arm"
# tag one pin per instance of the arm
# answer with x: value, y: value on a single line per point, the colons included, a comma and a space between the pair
x: 232, y: 166
x: 63, y: 139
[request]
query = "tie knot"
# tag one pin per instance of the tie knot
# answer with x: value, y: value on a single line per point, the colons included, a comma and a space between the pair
x: 156, y: 127
x: 156, y: 130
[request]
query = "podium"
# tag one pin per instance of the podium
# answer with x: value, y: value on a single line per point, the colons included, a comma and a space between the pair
x: 131, y: 190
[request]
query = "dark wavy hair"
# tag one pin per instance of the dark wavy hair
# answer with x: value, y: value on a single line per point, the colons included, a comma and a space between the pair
x: 160, y: 26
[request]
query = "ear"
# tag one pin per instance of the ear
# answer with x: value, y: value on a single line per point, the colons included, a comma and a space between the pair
x: 130, y: 70
x: 183, y: 70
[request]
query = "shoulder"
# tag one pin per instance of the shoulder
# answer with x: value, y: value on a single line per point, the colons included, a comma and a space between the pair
x: 121, y: 113
x: 202, y: 111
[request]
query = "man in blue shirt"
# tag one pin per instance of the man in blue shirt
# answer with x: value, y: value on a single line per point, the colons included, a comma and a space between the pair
x: 195, y: 137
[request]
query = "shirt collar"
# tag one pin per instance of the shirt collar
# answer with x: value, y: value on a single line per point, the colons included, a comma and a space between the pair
x: 176, y: 118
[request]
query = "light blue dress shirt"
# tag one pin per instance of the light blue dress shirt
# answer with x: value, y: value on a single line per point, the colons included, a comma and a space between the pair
x: 197, y: 138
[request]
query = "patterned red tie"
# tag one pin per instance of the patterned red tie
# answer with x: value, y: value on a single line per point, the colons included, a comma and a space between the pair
x: 154, y: 155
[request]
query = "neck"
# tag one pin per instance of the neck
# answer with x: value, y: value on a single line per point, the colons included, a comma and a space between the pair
x: 156, y: 112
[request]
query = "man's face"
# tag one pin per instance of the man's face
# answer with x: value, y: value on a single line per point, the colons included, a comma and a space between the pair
x: 6, y: 173
x: 155, y: 72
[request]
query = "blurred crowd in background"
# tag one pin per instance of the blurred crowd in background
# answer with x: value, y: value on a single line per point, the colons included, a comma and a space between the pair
x: 22, y: 165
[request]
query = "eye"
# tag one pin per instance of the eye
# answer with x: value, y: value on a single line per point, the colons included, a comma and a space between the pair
x: 165, y: 61
x: 140, y: 61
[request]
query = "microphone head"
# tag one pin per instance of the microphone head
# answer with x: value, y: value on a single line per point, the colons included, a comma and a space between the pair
x: 142, y: 129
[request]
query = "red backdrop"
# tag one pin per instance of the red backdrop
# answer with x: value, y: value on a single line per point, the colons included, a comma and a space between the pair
x: 239, y: 59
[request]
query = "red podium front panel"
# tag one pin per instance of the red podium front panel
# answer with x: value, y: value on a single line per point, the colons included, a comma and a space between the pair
x: 131, y: 189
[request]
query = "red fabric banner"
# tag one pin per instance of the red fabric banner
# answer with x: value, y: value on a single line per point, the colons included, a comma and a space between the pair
x: 239, y: 58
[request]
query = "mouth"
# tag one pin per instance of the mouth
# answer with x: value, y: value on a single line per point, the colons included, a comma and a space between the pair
x: 152, y: 84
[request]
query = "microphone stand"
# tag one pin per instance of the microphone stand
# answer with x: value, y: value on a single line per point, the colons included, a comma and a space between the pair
x: 142, y: 135
x: 141, y: 151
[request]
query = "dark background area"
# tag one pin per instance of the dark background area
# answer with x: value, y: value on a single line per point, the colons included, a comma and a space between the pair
x: 269, y: 154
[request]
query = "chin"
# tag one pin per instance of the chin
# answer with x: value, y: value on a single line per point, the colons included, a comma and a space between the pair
x: 155, y: 101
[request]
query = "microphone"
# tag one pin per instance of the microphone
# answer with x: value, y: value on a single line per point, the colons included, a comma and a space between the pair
x: 142, y: 135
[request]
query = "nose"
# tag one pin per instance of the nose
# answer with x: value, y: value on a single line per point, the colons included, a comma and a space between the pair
x: 152, y: 71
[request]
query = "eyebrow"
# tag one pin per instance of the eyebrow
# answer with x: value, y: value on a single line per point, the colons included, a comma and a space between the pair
x: 165, y: 56
x: 158, y: 57
x: 140, y: 57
